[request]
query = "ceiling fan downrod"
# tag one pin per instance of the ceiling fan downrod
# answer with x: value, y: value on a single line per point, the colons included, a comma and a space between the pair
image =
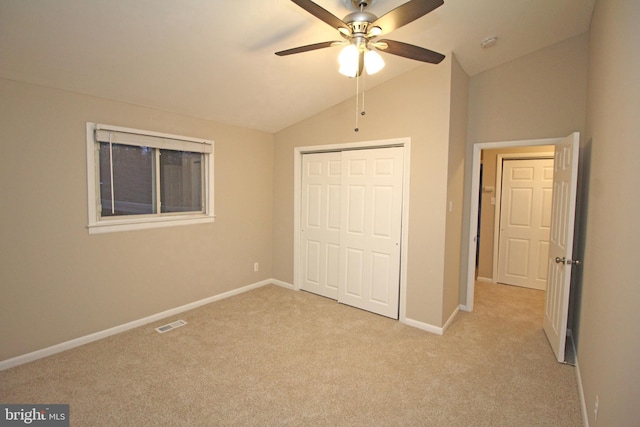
x: 360, y: 4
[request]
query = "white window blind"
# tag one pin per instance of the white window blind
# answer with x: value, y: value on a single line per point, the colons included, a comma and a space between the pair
x: 165, y: 142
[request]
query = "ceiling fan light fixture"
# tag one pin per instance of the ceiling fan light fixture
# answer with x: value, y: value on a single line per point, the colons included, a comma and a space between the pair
x: 373, y: 62
x: 348, y: 60
x: 375, y: 31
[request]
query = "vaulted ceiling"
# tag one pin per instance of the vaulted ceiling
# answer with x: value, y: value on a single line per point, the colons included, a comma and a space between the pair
x: 214, y: 59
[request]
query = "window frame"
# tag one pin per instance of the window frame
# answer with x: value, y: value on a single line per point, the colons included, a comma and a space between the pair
x: 98, y: 224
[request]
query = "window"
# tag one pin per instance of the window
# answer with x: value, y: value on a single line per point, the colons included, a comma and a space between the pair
x: 140, y: 179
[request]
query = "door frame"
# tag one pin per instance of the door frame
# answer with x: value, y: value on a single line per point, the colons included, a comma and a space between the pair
x: 297, y: 188
x: 498, y: 196
x: 474, y: 200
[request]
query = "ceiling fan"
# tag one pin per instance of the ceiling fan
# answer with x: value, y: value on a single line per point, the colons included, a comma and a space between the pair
x: 360, y: 28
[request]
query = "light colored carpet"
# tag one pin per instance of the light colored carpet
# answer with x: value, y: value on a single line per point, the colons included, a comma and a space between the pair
x: 278, y: 357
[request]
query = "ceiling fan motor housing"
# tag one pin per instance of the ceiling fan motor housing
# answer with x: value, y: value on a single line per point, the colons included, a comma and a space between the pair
x: 359, y: 21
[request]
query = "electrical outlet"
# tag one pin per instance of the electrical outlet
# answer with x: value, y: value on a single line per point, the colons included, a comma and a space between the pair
x: 256, y: 266
x: 595, y: 409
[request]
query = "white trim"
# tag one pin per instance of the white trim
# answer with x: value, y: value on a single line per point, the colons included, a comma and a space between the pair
x: 473, y: 205
x: 282, y: 284
x: 464, y: 307
x: 140, y: 222
x: 76, y: 342
x: 394, y: 142
x: 423, y: 326
x: 146, y: 223
x: 485, y: 280
x: 92, y: 191
x: 404, y: 249
x: 498, y: 195
x: 404, y: 246
x: 451, y: 319
x: 431, y: 328
x: 583, y: 403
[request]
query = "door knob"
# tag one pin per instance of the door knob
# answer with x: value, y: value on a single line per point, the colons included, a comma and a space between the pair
x: 563, y: 260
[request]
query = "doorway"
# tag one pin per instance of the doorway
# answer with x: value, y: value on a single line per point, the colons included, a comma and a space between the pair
x: 485, y: 250
x: 560, y: 261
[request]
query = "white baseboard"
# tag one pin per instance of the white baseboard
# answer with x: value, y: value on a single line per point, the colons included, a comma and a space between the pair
x: 424, y: 326
x: 283, y: 284
x: 583, y: 403
x: 485, y: 279
x: 431, y: 328
x: 76, y: 342
x: 450, y: 319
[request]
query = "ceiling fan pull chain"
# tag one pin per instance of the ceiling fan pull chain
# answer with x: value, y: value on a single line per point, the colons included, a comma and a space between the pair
x: 357, y: 99
x: 363, y: 85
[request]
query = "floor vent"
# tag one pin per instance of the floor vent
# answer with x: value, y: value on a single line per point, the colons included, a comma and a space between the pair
x: 166, y: 328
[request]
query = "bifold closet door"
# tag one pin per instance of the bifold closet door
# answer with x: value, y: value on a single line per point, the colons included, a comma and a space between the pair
x: 351, y: 224
x: 370, y: 229
x: 320, y: 221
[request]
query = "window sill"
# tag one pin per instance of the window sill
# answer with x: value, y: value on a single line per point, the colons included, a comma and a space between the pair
x: 129, y: 224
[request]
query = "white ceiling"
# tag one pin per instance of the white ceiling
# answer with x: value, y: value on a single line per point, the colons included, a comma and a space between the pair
x: 214, y: 59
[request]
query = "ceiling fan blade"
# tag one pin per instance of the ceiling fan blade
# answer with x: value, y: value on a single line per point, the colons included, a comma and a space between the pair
x: 402, y: 15
x: 307, y: 48
x: 410, y: 51
x: 321, y: 14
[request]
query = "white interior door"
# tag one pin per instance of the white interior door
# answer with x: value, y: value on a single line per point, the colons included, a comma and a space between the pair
x: 563, y: 210
x: 525, y: 220
x: 320, y: 223
x: 370, y: 229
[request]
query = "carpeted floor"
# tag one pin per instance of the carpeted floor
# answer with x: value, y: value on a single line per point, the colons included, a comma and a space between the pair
x: 278, y: 357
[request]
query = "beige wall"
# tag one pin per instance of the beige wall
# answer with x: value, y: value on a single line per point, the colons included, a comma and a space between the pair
x: 541, y: 95
x: 415, y: 105
x: 455, y: 189
x: 487, y: 210
x: 609, y: 320
x: 57, y: 281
